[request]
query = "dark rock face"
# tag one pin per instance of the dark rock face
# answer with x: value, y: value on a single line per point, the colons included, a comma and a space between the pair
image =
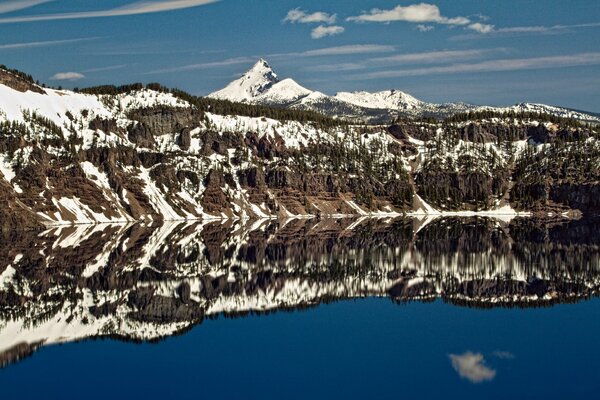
x: 447, y: 190
x: 252, y: 177
x: 403, y: 131
x: 11, y: 215
x: 141, y: 135
x: 541, y: 134
x: 161, y: 309
x: 166, y: 120
x: 184, y: 140
x: 12, y: 81
x: 584, y: 197
x: 214, y: 199
x: 105, y: 125
x: 283, y: 178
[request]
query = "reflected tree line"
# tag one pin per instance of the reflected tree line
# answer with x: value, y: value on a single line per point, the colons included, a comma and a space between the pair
x: 144, y: 282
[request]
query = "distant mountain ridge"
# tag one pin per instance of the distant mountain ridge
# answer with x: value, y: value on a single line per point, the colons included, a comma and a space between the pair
x: 260, y: 85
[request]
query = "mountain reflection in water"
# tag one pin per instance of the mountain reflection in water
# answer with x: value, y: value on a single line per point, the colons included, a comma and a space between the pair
x: 143, y: 283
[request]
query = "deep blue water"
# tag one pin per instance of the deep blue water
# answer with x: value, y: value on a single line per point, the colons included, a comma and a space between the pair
x: 354, y: 349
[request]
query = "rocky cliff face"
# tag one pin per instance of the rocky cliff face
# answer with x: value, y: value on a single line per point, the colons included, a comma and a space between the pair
x: 148, y: 155
x: 144, y: 282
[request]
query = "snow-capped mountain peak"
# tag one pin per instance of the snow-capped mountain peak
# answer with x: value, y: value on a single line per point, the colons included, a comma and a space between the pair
x: 262, y: 69
x: 256, y: 81
x: 388, y: 99
x: 260, y: 86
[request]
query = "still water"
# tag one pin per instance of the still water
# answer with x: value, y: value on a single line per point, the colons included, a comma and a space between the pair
x: 407, y: 308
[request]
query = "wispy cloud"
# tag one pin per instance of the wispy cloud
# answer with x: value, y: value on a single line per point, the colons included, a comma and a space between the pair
x: 107, y: 68
x: 573, y: 60
x: 141, y: 7
x: 16, y: 5
x: 322, y: 31
x: 336, y: 67
x: 298, y: 15
x: 322, y: 52
x: 527, y: 30
x: 350, y: 49
x: 67, y: 76
x: 47, y: 43
x: 430, y: 57
x: 206, y: 65
x: 471, y: 366
x: 149, y: 49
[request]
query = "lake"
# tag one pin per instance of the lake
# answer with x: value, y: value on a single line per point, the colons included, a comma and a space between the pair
x: 319, y: 309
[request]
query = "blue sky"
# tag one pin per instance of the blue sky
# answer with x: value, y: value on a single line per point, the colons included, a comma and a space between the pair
x: 494, y: 52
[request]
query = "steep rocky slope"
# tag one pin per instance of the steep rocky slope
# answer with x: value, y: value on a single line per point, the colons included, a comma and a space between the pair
x: 148, y: 154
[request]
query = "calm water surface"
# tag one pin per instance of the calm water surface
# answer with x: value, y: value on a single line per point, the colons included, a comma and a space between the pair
x: 459, y: 308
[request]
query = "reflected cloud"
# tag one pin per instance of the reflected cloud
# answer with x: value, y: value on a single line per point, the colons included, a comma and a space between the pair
x: 471, y: 366
x: 503, y: 355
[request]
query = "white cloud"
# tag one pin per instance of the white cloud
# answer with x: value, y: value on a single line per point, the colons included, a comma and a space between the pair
x: 471, y: 366
x: 481, y: 28
x: 321, y: 31
x: 67, y: 76
x: 424, y: 28
x: 299, y: 16
x: 418, y: 13
x: 15, y: 5
x: 26, y: 45
x: 572, y: 60
x: 141, y: 7
x: 422, y: 14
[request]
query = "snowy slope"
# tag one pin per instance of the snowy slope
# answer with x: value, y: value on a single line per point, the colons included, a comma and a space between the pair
x: 389, y: 99
x: 285, y: 92
x: 546, y: 109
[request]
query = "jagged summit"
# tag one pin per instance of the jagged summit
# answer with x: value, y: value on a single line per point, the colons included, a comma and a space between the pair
x: 260, y: 85
x: 256, y: 81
